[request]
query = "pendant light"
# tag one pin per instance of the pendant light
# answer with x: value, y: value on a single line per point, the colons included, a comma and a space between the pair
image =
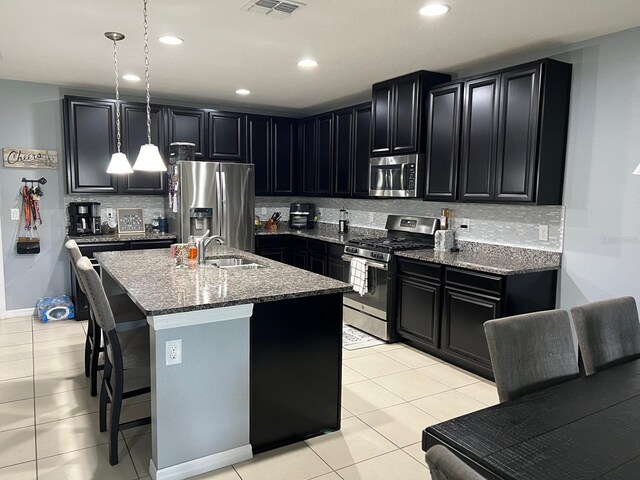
x: 119, y: 163
x: 149, y: 159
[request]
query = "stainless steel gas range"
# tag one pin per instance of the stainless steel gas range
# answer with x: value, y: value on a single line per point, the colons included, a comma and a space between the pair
x: 369, y: 312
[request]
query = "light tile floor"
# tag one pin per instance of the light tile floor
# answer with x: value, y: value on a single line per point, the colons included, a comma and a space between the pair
x: 49, y: 423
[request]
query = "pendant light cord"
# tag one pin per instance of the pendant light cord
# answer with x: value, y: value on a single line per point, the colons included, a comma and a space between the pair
x: 146, y: 70
x: 115, y: 63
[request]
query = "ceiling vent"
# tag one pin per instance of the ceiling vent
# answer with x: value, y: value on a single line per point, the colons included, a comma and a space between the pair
x: 273, y: 8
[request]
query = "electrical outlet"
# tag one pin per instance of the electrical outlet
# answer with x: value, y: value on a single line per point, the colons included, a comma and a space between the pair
x: 263, y: 211
x: 467, y: 222
x: 15, y: 214
x: 109, y: 212
x: 543, y: 233
x: 174, y: 352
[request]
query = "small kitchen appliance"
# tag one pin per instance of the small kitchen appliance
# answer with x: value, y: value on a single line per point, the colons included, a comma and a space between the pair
x: 399, y: 176
x: 84, y: 218
x: 343, y: 221
x: 369, y: 312
x: 302, y: 215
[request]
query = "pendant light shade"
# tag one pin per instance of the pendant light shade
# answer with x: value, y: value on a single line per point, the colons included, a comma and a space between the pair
x: 119, y: 164
x: 149, y: 159
x: 637, y: 170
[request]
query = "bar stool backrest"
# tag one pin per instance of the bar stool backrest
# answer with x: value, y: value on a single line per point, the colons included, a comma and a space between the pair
x: 98, y: 301
x: 532, y: 351
x: 608, y: 332
x: 74, y: 253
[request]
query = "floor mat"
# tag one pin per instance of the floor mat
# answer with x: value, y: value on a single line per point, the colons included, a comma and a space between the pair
x: 353, y: 339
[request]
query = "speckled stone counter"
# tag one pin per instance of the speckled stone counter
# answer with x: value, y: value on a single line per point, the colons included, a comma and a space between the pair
x: 158, y: 287
x: 498, y: 259
x: 85, y: 239
x: 327, y: 232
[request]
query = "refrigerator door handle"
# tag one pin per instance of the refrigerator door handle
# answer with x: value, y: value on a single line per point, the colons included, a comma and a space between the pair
x: 219, y: 207
x: 223, y: 214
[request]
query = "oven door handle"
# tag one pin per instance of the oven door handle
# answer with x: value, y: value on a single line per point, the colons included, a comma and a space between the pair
x: 379, y: 266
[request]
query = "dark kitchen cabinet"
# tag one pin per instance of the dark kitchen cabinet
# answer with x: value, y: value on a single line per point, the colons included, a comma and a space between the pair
x: 324, y: 142
x: 90, y: 140
x: 398, y: 111
x: 271, y: 246
x: 297, y: 252
x: 362, y: 150
x: 189, y: 125
x: 308, y: 155
x: 343, y: 152
x: 479, y: 138
x: 317, y: 251
x: 226, y: 136
x: 134, y: 134
x: 283, y: 154
x: 259, y: 151
x: 443, y: 141
x: 513, y: 137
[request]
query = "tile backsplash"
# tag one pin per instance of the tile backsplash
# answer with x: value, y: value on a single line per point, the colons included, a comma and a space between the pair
x: 512, y: 225
x: 151, y: 204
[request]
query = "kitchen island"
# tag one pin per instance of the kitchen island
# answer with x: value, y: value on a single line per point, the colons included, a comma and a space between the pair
x: 260, y: 355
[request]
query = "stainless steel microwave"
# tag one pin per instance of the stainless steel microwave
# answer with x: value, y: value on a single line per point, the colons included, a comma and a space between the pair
x: 399, y: 176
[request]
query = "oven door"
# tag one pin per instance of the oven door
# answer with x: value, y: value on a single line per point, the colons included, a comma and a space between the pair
x: 395, y: 176
x: 368, y: 312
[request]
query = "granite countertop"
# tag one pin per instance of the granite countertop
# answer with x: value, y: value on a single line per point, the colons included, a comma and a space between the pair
x: 84, y: 239
x: 501, y: 260
x: 158, y: 287
x: 327, y: 232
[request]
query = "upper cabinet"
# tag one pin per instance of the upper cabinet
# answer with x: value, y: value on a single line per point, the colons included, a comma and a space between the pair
x: 259, y: 151
x: 226, y: 136
x: 513, y: 136
x: 316, y: 151
x: 362, y: 148
x: 343, y: 152
x: 188, y: 125
x: 398, y: 111
x: 90, y: 139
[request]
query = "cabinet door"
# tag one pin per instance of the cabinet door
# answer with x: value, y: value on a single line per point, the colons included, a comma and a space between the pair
x: 479, y: 139
x: 362, y: 150
x: 259, y: 151
x: 134, y: 134
x: 324, y: 143
x: 462, y: 323
x: 309, y: 157
x: 343, y: 153
x: 318, y: 263
x: 336, y: 268
x: 405, y: 115
x: 90, y: 142
x: 518, y: 134
x: 151, y: 244
x: 299, y: 259
x: 443, y: 140
x: 381, y: 125
x: 226, y: 136
x: 283, y: 154
x: 276, y: 254
x: 188, y: 125
x: 418, y: 310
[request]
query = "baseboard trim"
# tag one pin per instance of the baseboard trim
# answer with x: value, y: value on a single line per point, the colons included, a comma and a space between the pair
x: 21, y: 312
x: 201, y: 465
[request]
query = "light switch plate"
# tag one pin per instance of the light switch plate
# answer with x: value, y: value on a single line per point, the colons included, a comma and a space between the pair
x: 543, y: 233
x: 174, y: 352
x: 263, y: 211
x: 15, y: 214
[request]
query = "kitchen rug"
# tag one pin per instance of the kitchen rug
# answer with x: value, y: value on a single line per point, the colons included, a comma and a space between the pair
x: 353, y: 339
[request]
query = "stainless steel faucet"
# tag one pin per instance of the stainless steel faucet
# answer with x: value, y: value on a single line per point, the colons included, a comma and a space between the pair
x: 204, y: 242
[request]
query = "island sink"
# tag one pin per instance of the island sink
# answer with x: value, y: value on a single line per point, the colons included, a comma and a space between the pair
x: 234, y: 263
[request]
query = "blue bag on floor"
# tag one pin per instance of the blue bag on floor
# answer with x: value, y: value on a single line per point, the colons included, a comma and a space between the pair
x: 54, y: 308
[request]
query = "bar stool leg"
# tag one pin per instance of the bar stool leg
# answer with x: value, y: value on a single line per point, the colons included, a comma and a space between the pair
x: 116, y: 405
x: 95, y: 355
x: 104, y: 394
x: 87, y: 348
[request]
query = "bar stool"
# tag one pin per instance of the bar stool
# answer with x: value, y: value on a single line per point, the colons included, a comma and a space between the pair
x: 124, y: 311
x: 123, y: 350
x: 445, y: 465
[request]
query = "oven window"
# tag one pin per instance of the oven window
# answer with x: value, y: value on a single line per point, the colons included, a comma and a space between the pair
x: 376, y: 295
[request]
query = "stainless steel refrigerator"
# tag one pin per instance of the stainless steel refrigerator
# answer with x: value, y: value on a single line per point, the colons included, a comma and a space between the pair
x: 214, y: 196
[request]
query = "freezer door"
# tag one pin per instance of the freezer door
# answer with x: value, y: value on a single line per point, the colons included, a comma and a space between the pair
x: 238, y: 213
x: 200, y: 185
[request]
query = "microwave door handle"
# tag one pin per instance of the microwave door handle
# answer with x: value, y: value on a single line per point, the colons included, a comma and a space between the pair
x: 404, y: 178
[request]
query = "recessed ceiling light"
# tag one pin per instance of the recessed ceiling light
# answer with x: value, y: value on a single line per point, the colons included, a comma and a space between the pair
x: 130, y: 77
x: 171, y: 40
x: 434, y: 9
x: 243, y: 91
x: 308, y: 63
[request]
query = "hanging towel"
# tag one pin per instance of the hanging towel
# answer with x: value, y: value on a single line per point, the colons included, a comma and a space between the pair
x: 359, y: 275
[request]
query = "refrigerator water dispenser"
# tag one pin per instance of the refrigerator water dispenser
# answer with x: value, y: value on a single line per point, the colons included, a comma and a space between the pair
x: 200, y: 221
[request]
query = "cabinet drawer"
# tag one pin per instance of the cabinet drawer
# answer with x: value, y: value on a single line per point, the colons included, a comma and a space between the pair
x: 269, y: 241
x: 421, y: 269
x: 335, y: 250
x: 317, y: 247
x: 89, y: 249
x: 148, y: 244
x: 478, y: 280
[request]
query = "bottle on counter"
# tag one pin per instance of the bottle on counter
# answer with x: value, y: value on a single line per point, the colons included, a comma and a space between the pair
x: 192, y: 252
x: 445, y: 216
x: 343, y: 221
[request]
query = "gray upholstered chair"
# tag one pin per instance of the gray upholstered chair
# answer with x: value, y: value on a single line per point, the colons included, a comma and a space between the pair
x: 608, y: 333
x: 445, y: 465
x: 124, y: 311
x: 531, y: 351
x: 123, y: 350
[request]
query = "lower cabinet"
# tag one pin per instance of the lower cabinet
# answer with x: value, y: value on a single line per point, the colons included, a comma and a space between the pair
x: 441, y: 310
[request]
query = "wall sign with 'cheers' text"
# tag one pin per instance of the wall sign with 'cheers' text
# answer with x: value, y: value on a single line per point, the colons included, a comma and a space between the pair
x: 29, y: 158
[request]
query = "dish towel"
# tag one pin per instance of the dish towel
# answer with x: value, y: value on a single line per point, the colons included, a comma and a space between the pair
x: 359, y: 275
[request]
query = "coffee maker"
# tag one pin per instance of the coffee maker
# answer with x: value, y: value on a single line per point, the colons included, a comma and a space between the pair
x: 84, y: 218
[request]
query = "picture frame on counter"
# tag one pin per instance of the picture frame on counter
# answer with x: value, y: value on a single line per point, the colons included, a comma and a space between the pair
x: 130, y: 220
